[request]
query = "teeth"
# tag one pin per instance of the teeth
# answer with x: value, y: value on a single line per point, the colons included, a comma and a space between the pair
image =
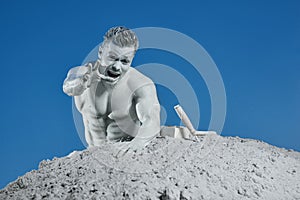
x: 115, y: 73
x: 107, y: 78
x: 112, y: 74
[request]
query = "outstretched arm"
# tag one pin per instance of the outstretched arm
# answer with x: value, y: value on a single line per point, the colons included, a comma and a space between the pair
x: 80, y: 78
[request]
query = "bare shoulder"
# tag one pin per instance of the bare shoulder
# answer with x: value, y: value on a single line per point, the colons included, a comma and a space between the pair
x: 137, y: 80
x: 141, y: 85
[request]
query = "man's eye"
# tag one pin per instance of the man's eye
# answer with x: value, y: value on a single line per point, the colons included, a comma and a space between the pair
x: 125, y: 61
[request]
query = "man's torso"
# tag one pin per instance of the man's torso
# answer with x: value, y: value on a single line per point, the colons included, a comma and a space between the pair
x: 109, y: 113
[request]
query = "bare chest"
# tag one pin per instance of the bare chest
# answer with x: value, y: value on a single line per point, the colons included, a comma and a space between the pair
x: 100, y: 102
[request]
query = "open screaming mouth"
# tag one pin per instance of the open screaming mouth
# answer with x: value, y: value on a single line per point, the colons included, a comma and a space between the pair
x: 113, y: 74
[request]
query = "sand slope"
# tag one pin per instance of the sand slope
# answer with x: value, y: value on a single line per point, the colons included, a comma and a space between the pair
x: 215, y: 167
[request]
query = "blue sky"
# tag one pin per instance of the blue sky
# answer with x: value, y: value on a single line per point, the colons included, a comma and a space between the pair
x: 255, y: 44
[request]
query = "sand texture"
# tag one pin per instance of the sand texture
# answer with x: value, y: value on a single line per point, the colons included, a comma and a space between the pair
x: 214, y: 167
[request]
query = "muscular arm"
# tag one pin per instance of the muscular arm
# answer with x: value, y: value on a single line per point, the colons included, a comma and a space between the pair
x: 148, y: 112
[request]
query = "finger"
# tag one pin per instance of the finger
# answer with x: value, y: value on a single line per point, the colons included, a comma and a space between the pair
x: 102, y: 76
x: 97, y: 78
x: 123, y: 149
x: 96, y: 65
x: 120, y: 153
x: 89, y: 66
x: 119, y: 148
x: 86, y: 77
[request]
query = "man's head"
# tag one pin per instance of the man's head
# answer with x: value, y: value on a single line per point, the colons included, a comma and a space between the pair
x: 116, y: 52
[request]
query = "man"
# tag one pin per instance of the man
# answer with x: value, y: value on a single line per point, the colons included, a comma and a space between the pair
x: 117, y: 102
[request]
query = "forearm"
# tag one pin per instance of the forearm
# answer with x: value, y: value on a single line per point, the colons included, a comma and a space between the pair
x: 148, y: 130
x: 150, y: 125
x: 75, y: 87
x: 76, y: 82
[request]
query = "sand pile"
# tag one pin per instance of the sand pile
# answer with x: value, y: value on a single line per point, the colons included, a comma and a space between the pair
x: 215, y: 167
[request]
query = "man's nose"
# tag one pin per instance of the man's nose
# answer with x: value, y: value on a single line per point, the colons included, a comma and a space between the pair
x: 116, y: 66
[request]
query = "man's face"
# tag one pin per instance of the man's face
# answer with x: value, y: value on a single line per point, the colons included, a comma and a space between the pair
x: 115, y: 61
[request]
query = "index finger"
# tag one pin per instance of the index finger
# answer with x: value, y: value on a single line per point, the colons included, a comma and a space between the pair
x: 96, y: 65
x: 89, y: 66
